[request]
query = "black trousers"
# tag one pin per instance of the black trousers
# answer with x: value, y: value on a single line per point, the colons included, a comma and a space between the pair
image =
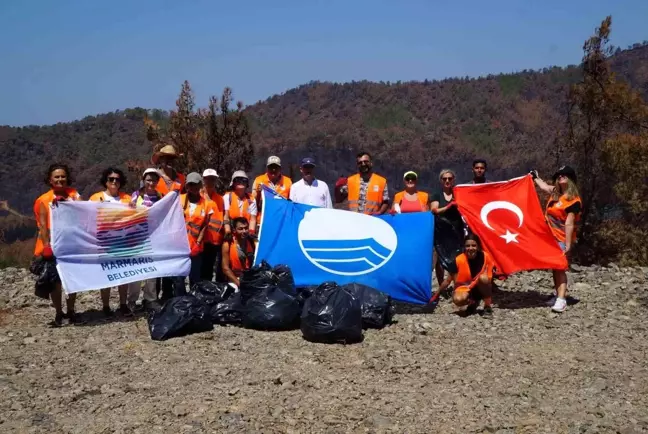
x: 211, y: 261
x: 175, y: 286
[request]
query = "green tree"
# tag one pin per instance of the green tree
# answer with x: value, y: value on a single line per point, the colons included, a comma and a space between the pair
x: 607, y: 140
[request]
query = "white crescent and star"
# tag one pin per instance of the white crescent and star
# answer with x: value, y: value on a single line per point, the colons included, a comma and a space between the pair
x: 502, y: 204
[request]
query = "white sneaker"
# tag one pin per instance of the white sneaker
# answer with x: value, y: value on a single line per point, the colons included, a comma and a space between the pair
x: 560, y: 305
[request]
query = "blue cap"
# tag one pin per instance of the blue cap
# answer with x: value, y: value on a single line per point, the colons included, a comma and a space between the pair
x: 308, y: 161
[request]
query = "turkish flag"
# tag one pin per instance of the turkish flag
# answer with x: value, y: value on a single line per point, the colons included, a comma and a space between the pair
x: 509, y: 220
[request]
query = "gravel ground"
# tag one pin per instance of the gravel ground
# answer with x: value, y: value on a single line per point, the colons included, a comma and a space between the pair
x: 525, y: 370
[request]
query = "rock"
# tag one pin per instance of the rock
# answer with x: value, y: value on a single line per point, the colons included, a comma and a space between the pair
x: 180, y: 411
x: 29, y: 340
x: 379, y: 421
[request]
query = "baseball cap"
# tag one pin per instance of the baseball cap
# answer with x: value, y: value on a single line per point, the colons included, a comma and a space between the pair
x: 410, y: 173
x: 568, y: 171
x: 150, y: 170
x: 210, y: 172
x: 194, y: 178
x: 273, y: 160
x: 308, y: 161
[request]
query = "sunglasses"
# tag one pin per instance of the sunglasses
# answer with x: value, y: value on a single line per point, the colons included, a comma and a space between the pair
x: 114, y: 179
x: 240, y: 181
x: 447, y: 179
x: 410, y: 179
x: 363, y: 162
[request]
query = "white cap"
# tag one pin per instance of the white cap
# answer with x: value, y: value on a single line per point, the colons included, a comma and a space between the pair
x: 210, y: 172
x: 150, y: 170
x: 273, y: 160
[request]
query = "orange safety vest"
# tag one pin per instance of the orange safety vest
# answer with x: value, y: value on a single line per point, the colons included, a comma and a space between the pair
x: 556, y: 216
x: 176, y: 185
x: 464, y: 278
x: 214, y: 234
x: 374, y: 196
x: 235, y: 211
x: 422, y: 196
x: 282, y: 188
x: 195, y: 221
x: 237, y: 265
x: 46, y: 199
x: 99, y: 197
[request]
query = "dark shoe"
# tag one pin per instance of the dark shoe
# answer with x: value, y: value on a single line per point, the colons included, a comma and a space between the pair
x: 124, y: 310
x: 488, y: 312
x: 108, y: 313
x: 151, y: 305
x: 58, y: 320
x: 73, y: 318
x: 472, y: 308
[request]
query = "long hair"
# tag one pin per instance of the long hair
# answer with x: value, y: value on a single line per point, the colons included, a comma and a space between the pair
x: 570, y: 192
x: 473, y: 237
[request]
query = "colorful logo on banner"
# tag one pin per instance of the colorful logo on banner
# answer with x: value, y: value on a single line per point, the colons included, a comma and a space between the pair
x: 122, y: 232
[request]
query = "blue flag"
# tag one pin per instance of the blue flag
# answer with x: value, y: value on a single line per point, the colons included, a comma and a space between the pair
x: 390, y: 253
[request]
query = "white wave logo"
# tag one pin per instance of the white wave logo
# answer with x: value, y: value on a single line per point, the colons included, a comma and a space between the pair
x: 346, y: 243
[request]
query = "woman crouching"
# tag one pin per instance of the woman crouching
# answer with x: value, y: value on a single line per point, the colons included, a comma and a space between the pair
x: 473, y: 280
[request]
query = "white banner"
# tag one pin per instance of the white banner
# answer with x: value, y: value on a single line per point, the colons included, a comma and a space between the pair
x: 101, y: 245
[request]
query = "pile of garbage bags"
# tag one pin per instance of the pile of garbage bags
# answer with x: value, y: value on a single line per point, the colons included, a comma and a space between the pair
x: 268, y: 300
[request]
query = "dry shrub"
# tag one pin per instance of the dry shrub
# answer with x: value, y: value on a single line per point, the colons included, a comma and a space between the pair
x: 17, y: 254
x: 620, y: 242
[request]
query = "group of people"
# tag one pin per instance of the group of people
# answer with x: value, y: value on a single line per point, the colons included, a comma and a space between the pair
x: 222, y: 228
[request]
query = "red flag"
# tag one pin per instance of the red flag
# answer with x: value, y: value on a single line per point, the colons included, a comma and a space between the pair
x: 509, y: 220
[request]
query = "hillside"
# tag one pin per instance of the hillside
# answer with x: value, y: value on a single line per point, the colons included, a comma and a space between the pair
x: 511, y: 120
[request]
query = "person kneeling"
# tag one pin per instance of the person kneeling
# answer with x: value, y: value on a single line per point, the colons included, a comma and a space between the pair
x: 238, y: 252
x: 473, y: 280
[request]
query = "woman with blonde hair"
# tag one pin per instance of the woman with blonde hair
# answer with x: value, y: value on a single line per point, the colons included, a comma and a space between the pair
x: 448, y: 229
x: 562, y: 213
x: 411, y: 199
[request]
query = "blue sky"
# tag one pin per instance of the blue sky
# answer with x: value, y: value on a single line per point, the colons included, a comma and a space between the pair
x: 65, y: 59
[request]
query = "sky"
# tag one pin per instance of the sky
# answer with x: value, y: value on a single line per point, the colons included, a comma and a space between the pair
x: 62, y: 60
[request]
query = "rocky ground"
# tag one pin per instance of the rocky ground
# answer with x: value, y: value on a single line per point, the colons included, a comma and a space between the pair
x: 526, y: 370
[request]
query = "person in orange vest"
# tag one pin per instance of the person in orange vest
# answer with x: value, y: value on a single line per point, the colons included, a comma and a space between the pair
x: 563, y: 212
x: 473, y: 280
x: 197, y: 212
x: 170, y: 178
x: 113, y: 179
x: 272, y: 179
x: 211, y: 256
x: 366, y: 191
x: 238, y: 253
x: 238, y: 203
x: 59, y: 179
x: 410, y: 199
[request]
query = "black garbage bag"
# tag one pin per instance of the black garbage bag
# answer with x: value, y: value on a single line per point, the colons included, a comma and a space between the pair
x: 47, y: 276
x: 448, y: 242
x: 285, y: 279
x: 272, y: 309
x: 332, y: 315
x: 180, y: 316
x: 377, y: 307
x: 211, y: 293
x: 256, y: 280
x: 304, y: 292
x: 229, y: 311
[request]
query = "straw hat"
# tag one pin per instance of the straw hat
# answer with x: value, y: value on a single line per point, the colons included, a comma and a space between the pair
x: 168, y: 151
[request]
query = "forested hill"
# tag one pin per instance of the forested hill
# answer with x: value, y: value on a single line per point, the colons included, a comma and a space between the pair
x: 512, y: 120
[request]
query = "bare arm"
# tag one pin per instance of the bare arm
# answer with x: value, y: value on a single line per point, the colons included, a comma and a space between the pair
x: 227, y: 271
x: 43, y: 230
x: 253, y: 221
x: 434, y: 206
x: 544, y: 186
x: 383, y: 208
x: 569, y: 231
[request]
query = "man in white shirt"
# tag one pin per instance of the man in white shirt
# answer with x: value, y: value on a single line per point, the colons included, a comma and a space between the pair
x: 309, y: 190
